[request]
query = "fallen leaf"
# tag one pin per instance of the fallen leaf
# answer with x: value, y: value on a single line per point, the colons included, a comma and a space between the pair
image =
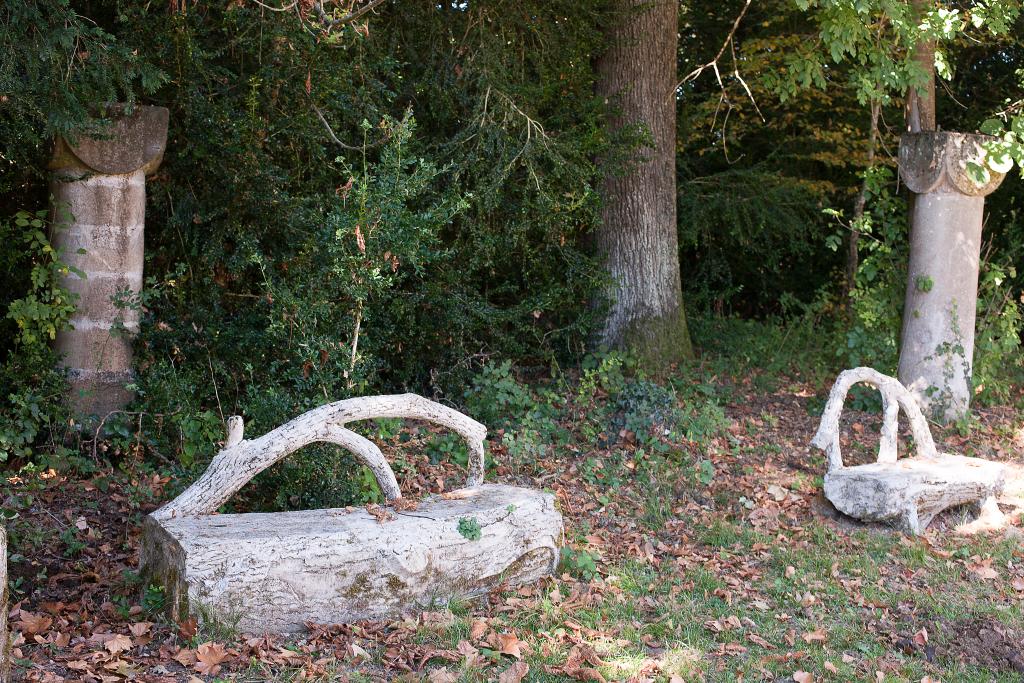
x: 816, y: 636
x: 442, y: 675
x: 478, y: 629
x: 803, y: 677
x: 515, y: 673
x: 31, y: 624
x: 119, y: 643
x: 983, y: 569
x: 508, y: 644
x: 830, y: 667
x: 140, y: 628
x: 188, y: 627
x: 209, y: 657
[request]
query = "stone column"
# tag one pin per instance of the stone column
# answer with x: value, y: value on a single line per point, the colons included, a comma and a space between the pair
x: 99, y: 185
x: 937, y: 341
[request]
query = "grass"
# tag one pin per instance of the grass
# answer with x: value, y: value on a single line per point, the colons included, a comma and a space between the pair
x: 697, y: 551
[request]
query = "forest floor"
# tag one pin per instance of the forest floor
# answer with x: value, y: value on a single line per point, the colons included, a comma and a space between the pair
x: 728, y: 565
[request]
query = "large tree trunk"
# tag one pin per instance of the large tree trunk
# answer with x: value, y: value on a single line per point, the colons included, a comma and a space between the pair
x: 638, y: 238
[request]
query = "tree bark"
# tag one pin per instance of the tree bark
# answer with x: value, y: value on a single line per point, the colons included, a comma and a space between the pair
x: 638, y: 234
x: 920, y: 102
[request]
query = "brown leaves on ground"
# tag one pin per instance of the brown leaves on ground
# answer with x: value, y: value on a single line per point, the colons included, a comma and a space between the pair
x: 818, y: 635
x: 580, y: 665
x: 982, y: 568
x: 30, y: 624
x: 118, y: 643
x: 82, y: 622
x: 209, y: 657
x: 508, y: 644
x: 514, y: 673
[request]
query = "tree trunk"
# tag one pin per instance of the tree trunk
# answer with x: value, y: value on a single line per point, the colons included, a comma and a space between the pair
x: 638, y: 234
x: 852, y: 253
x: 920, y: 102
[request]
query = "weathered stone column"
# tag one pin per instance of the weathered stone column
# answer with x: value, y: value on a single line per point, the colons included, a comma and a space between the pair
x: 101, y: 182
x: 937, y: 341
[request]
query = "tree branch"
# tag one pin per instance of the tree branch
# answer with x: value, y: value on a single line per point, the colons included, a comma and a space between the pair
x: 348, y: 18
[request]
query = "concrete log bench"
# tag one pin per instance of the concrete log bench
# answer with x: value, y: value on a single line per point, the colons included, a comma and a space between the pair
x: 273, y: 572
x: 906, y: 493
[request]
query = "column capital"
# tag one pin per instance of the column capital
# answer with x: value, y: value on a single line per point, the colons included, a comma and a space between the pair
x: 133, y: 141
x: 936, y: 161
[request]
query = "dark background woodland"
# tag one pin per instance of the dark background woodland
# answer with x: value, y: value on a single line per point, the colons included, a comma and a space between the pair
x: 406, y: 201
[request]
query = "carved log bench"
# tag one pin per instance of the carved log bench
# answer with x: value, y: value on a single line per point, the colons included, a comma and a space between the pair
x: 273, y: 572
x: 908, y: 492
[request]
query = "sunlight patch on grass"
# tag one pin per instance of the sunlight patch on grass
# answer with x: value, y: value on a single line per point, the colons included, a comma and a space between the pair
x: 682, y: 661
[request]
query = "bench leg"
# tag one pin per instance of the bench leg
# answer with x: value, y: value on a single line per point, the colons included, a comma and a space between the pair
x: 910, y: 522
x: 990, y: 518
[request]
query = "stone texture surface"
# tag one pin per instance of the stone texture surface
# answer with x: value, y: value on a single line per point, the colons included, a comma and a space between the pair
x: 906, y: 493
x: 135, y: 141
x: 99, y: 190
x: 936, y: 161
x: 937, y: 341
x: 273, y: 572
x: 909, y: 493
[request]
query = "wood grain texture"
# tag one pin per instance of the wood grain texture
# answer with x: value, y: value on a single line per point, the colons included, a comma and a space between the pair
x: 242, y: 459
x: 273, y: 572
x: 907, y: 493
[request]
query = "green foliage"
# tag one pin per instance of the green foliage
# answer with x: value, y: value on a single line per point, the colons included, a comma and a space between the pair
x: 496, y: 397
x: 31, y: 388
x: 872, y: 337
x: 998, y: 361
x: 447, y: 447
x: 58, y: 69
x: 579, y: 563
x: 316, y: 477
x: 469, y: 528
x: 312, y: 240
x: 381, y: 206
